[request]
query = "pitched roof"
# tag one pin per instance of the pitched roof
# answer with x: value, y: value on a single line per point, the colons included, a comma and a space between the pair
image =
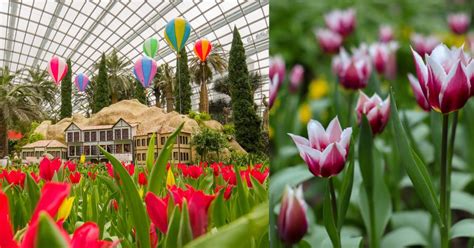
x: 46, y: 143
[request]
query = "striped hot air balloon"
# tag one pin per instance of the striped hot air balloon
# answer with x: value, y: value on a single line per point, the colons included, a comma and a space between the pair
x: 202, y: 48
x: 57, y: 68
x: 150, y: 47
x: 145, y: 70
x: 81, y: 81
x: 177, y: 33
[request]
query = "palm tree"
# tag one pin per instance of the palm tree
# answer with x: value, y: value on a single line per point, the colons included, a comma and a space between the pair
x: 202, y: 73
x: 164, y: 81
x: 21, y: 103
x: 222, y: 85
x: 118, y: 72
x: 46, y: 88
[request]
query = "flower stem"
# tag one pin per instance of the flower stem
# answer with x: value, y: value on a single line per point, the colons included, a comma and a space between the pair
x: 332, y: 191
x: 350, y: 110
x: 452, y: 138
x: 443, y: 182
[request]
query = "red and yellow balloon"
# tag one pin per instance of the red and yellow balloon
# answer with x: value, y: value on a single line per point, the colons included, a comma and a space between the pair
x: 202, y: 48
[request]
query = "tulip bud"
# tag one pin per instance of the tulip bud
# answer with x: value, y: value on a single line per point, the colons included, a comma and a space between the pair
x: 384, y: 58
x: 328, y: 40
x: 296, y: 77
x: 353, y: 72
x: 292, y: 220
x: 277, y: 75
x: 423, y: 44
x: 459, y: 23
x: 385, y: 34
x: 376, y: 111
x: 341, y: 21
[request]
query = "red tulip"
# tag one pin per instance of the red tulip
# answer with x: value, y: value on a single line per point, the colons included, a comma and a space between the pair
x: 142, y: 179
x: 277, y: 75
x: 130, y: 168
x: 328, y: 40
x: 6, y: 229
x: 157, y: 209
x: 35, y: 177
x: 325, y: 151
x: 198, y: 212
x: 385, y: 33
x: 195, y: 171
x: 384, y: 58
x: 52, y: 196
x: 353, y: 72
x: 153, y: 236
x: 446, y: 78
x: 70, y: 165
x: 92, y: 175
x: 292, y: 221
x: 376, y: 111
x: 87, y: 235
x: 423, y: 44
x: 227, y: 192
x: 419, y: 96
x: 48, y: 167
x: 16, y: 177
x: 114, y: 204
x: 341, y: 21
x: 110, y: 169
x: 459, y: 23
x: 75, y: 177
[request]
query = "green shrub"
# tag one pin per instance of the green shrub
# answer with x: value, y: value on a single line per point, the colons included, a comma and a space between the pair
x: 229, y: 129
x: 208, y: 140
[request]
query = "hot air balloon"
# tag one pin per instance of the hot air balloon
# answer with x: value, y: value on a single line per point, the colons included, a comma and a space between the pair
x: 81, y: 81
x: 202, y: 48
x: 145, y: 70
x: 57, y: 68
x: 177, y: 33
x: 150, y: 47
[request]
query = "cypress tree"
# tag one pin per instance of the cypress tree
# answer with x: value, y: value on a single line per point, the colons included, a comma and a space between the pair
x: 246, y: 121
x: 183, y: 98
x: 101, y: 95
x: 66, y: 87
x: 139, y: 92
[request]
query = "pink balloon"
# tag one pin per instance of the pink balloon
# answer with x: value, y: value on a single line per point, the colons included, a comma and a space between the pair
x: 57, y: 68
x: 145, y: 70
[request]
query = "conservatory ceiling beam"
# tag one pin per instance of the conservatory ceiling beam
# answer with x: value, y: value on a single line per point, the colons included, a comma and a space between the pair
x: 93, y: 27
x: 46, y: 35
x: 11, y: 30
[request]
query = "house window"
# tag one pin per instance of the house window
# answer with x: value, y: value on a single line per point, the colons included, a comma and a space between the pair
x: 71, y: 151
x: 118, y: 135
x: 175, y: 155
x: 139, y: 157
x: 109, y: 148
x: 76, y: 136
x: 148, y: 141
x: 109, y: 135
x: 87, y: 150
x: 126, y: 148
x: 93, y: 150
x: 78, y: 151
x: 143, y: 156
x: 118, y: 148
x: 93, y: 136
x: 143, y: 142
x: 125, y: 133
x: 102, y: 135
x: 162, y: 140
x: 137, y: 142
x: 87, y: 136
x: 69, y: 137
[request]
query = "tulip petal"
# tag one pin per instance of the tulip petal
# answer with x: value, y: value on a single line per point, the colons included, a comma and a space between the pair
x: 6, y: 229
x: 86, y: 235
x: 52, y: 196
x: 436, y: 77
x: 157, y: 210
x: 332, y: 160
x: 455, y: 92
x: 317, y: 136
x: 334, y: 130
x: 421, y: 72
x: 312, y: 158
x: 346, y: 138
x: 417, y: 91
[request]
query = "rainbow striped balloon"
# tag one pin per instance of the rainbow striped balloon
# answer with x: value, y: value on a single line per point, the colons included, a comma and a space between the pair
x: 202, y: 48
x: 81, y: 81
x: 145, y: 70
x: 57, y: 68
x: 150, y: 47
x: 177, y: 33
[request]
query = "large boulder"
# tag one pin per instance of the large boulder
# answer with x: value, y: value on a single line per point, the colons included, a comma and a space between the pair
x: 131, y: 111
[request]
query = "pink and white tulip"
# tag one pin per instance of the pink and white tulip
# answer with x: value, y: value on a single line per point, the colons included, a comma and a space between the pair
x: 445, y: 79
x: 353, y: 72
x: 329, y: 40
x: 277, y: 75
x: 292, y: 221
x: 296, y: 77
x: 459, y: 23
x: 376, y: 111
x: 419, y: 96
x: 385, y: 33
x: 424, y: 44
x: 341, y: 21
x: 325, y: 151
x: 384, y: 58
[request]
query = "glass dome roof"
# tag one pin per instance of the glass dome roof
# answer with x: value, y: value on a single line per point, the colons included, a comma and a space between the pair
x: 31, y: 32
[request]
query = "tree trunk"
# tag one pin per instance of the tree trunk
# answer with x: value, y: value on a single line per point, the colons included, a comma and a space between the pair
x: 114, y: 98
x: 157, y: 93
x: 203, y: 98
x: 169, y: 101
x: 3, y: 139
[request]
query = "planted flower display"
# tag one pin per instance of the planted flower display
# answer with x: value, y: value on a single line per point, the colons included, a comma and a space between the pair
x: 115, y: 204
x: 371, y: 124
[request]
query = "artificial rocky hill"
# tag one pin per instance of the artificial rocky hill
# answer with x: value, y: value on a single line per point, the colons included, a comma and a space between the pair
x: 131, y: 111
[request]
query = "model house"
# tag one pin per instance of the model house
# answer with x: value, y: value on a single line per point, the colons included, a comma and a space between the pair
x: 35, y: 151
